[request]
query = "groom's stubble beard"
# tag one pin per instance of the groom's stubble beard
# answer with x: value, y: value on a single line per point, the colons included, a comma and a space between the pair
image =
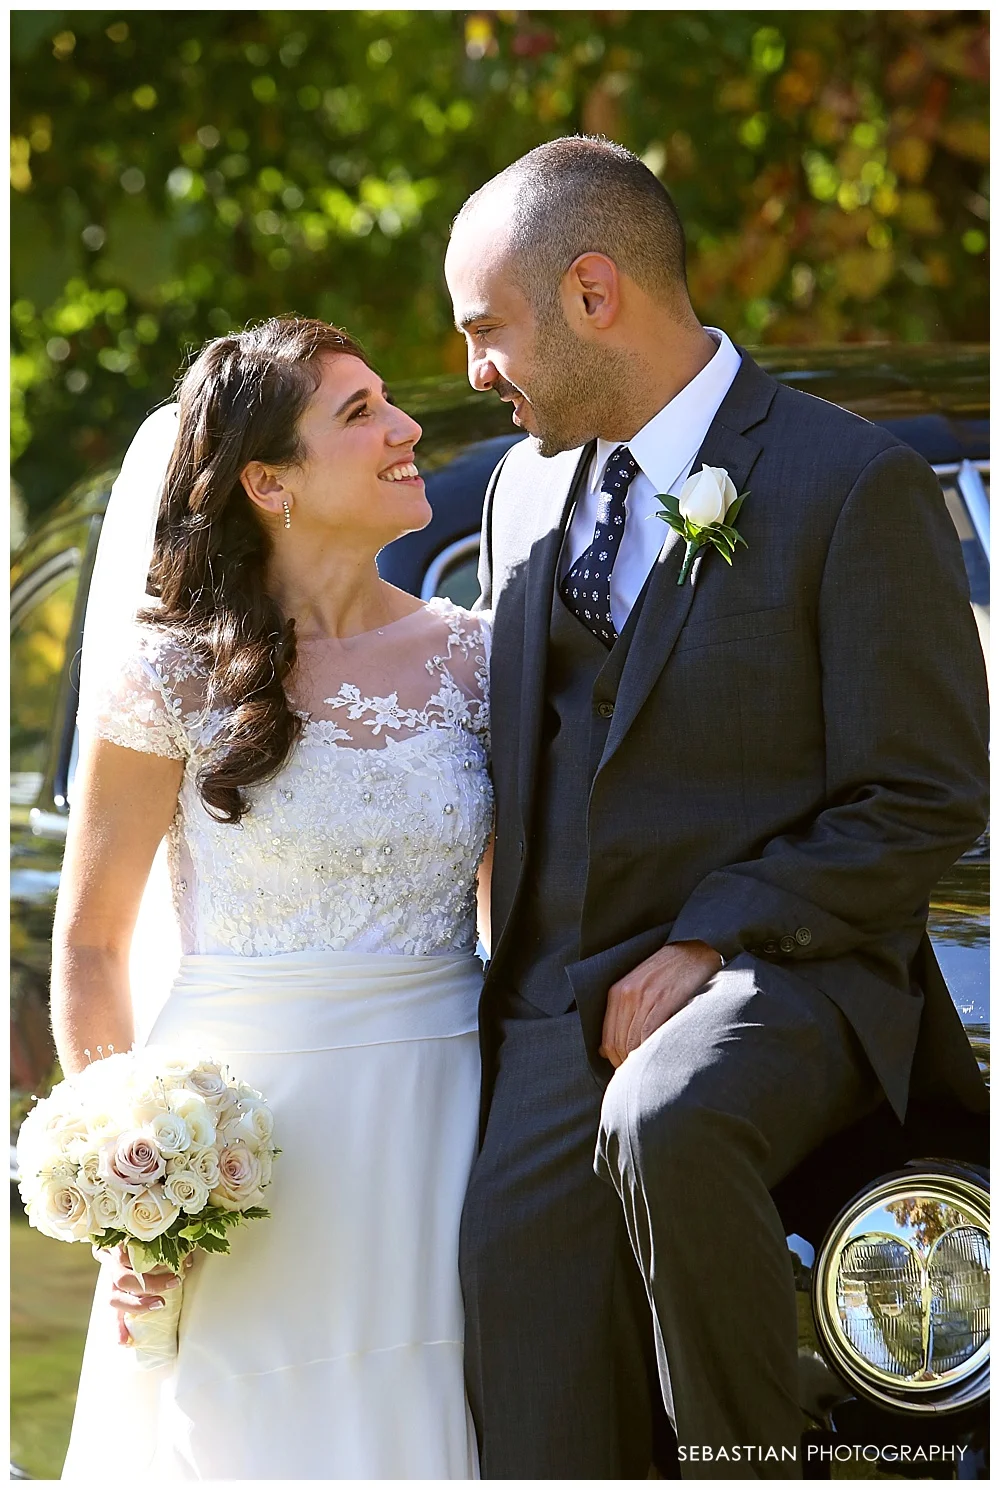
x: 576, y: 387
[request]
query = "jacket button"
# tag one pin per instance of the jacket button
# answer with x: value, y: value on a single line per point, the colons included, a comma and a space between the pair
x: 770, y: 947
x: 803, y: 936
x: 605, y: 710
x: 788, y: 944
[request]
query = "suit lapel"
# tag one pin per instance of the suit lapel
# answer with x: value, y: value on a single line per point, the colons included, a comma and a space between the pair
x: 555, y: 501
x: 666, y: 604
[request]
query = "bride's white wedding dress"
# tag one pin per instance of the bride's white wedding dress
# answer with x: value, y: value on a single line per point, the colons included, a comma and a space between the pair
x: 328, y: 956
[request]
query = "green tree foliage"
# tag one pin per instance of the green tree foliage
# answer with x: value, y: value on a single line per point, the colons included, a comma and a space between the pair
x: 177, y: 173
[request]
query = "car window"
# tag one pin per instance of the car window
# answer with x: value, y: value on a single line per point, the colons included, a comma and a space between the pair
x: 454, y: 573
x: 967, y: 496
x: 976, y: 562
x: 42, y: 614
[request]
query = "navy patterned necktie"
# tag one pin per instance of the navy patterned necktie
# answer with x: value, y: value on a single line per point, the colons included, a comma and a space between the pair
x: 587, y: 586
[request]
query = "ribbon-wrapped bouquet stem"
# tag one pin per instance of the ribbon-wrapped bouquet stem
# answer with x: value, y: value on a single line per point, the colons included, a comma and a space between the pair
x: 154, y: 1152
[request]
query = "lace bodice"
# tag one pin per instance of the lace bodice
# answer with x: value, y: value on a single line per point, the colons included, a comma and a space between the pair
x: 369, y: 837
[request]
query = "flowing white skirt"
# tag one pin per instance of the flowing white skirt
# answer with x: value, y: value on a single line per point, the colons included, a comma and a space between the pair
x: 328, y: 1344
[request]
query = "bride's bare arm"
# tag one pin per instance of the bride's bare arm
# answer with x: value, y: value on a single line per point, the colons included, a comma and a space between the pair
x: 483, y: 880
x: 123, y: 803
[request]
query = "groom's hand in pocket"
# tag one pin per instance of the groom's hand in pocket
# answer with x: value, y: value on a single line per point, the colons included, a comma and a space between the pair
x: 652, y: 992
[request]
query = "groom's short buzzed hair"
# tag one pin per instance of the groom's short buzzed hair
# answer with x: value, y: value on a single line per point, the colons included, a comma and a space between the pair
x: 584, y: 194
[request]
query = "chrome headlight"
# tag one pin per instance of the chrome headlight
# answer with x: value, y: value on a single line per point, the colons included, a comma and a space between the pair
x: 901, y: 1290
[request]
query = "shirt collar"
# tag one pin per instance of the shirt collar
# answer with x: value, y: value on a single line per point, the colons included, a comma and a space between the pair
x: 673, y: 437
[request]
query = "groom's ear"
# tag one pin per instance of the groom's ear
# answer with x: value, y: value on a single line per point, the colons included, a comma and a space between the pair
x: 591, y: 291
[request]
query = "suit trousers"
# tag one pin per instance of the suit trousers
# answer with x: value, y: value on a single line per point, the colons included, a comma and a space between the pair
x: 620, y: 1251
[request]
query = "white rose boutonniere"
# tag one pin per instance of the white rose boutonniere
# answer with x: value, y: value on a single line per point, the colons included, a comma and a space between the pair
x: 705, y: 512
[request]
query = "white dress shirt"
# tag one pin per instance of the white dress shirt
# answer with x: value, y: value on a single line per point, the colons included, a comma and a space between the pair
x: 664, y: 450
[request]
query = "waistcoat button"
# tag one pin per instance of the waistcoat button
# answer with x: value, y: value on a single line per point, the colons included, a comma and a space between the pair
x: 605, y: 710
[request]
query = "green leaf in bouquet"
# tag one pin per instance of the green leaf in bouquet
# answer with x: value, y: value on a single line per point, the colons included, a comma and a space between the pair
x: 256, y: 1213
x: 210, y: 1243
x: 109, y: 1238
x: 169, y: 1252
x: 724, y: 552
x: 718, y: 536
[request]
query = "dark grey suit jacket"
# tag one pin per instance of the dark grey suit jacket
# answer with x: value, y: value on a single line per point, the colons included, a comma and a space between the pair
x: 797, y: 750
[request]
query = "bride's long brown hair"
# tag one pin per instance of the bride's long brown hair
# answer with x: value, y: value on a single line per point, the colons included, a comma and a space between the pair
x: 240, y: 401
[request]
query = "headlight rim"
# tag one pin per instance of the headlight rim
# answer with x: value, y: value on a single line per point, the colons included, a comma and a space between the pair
x: 959, y: 1185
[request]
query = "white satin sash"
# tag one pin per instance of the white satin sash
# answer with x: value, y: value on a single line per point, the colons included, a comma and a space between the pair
x: 325, y: 1000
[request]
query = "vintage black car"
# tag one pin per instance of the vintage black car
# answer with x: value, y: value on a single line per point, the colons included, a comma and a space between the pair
x: 888, y: 1227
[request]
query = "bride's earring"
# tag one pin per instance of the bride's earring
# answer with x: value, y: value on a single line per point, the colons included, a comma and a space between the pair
x: 288, y: 514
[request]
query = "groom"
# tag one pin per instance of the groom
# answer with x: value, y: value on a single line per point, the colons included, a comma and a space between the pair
x: 721, y: 808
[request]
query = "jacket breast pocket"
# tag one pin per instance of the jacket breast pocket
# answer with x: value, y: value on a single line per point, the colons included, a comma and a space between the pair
x: 745, y: 626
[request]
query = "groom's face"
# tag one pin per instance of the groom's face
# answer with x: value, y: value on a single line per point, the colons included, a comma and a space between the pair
x: 536, y: 364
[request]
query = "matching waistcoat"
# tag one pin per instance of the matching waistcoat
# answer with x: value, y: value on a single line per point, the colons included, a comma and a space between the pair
x: 581, y: 685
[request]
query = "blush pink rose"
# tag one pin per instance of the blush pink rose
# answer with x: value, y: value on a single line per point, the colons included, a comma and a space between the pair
x: 239, y: 1178
x: 133, y: 1160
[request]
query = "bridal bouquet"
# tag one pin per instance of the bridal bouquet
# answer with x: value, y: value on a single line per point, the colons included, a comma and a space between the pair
x: 150, y: 1151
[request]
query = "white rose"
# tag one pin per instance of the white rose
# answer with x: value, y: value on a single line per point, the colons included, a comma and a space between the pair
x: 64, y: 1129
x: 239, y: 1178
x: 88, y: 1175
x: 171, y: 1134
x: 707, y: 497
x: 107, y: 1207
x: 61, y: 1210
x: 157, y: 1063
x: 186, y: 1189
x: 255, y: 1123
x: 146, y: 1102
x: 104, y: 1123
x: 148, y: 1214
x: 208, y: 1081
x: 205, y: 1164
x: 197, y: 1114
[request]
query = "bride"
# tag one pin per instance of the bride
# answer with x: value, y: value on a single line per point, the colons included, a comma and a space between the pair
x: 312, y: 743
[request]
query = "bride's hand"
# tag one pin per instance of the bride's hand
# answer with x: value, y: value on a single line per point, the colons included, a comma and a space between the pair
x: 138, y: 1293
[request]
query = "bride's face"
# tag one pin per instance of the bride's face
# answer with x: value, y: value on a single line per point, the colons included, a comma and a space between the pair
x: 358, y: 472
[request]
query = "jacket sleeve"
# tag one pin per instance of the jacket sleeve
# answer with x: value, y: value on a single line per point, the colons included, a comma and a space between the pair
x: 905, y: 718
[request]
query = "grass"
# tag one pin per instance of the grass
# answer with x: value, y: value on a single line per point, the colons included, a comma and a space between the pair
x: 52, y: 1286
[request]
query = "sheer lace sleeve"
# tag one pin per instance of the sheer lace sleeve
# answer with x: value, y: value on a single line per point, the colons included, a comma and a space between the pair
x: 150, y: 707
x: 466, y: 669
x: 485, y: 619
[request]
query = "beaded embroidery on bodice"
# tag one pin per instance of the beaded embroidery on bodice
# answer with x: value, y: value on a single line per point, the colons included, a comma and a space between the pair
x: 369, y: 837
